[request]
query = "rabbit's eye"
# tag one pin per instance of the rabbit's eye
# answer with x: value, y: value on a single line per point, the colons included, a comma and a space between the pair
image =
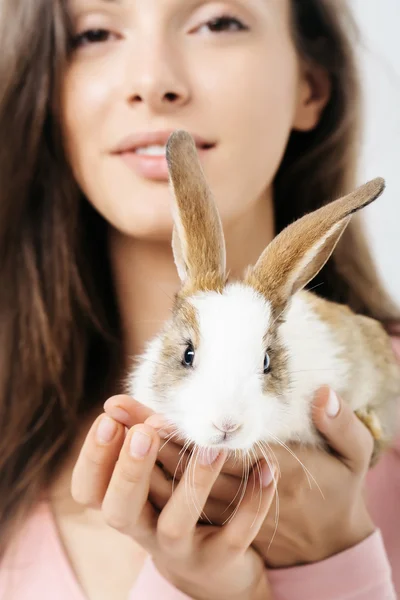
x: 188, y: 356
x: 267, y: 363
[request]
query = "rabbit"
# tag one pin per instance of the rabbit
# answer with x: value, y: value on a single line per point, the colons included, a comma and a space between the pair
x: 238, y: 362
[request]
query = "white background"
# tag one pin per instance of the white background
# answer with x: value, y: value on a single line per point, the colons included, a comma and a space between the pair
x: 379, y: 22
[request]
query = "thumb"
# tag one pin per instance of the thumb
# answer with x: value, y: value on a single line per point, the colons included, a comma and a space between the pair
x: 343, y: 430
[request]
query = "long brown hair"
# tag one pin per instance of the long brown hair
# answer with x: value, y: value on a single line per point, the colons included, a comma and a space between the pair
x: 60, y: 332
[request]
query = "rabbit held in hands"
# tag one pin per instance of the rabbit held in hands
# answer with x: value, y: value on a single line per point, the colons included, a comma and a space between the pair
x: 238, y: 362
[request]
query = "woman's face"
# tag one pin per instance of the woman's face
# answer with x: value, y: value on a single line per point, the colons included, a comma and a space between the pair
x: 227, y: 72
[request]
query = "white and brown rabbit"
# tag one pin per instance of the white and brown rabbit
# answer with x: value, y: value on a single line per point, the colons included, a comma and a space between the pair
x: 239, y: 362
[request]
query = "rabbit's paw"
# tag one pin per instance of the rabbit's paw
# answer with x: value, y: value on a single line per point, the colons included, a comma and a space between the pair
x: 369, y: 418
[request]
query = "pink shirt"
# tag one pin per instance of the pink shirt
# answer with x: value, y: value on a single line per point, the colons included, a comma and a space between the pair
x: 41, y: 571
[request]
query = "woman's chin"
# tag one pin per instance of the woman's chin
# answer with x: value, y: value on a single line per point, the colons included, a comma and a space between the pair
x: 141, y: 226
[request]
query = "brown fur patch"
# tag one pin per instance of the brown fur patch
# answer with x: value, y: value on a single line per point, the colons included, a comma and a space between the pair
x: 365, y: 342
x: 277, y: 381
x: 185, y: 318
x: 209, y: 282
x: 182, y: 328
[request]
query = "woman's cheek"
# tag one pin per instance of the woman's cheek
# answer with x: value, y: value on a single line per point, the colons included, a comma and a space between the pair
x: 90, y: 91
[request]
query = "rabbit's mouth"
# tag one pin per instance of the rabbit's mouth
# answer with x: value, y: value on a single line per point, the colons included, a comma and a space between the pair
x: 229, y: 440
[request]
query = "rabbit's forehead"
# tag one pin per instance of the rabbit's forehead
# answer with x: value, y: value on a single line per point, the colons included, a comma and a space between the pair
x: 237, y: 321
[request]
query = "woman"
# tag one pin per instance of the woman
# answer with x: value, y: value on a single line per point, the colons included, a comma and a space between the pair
x: 91, y: 89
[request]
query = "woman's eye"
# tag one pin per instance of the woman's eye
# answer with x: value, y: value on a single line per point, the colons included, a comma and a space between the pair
x: 92, y: 36
x: 267, y: 363
x: 188, y: 356
x: 224, y: 23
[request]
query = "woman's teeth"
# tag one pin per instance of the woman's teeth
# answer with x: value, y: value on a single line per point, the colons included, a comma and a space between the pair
x: 151, y: 150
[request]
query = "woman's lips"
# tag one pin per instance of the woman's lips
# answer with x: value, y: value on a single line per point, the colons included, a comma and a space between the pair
x: 143, y: 152
x: 152, y: 167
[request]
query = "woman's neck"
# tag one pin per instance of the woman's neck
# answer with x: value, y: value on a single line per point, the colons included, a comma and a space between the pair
x: 146, y: 279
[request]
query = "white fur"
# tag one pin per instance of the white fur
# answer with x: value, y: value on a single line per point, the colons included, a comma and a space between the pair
x: 141, y: 378
x: 226, y: 383
x: 315, y: 359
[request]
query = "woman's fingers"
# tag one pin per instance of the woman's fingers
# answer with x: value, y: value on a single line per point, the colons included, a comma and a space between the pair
x: 343, y: 430
x: 175, y: 462
x: 96, y: 461
x: 124, y: 409
x: 160, y: 488
x: 125, y: 504
x: 215, y: 511
x: 239, y: 533
x: 177, y: 522
x: 129, y: 412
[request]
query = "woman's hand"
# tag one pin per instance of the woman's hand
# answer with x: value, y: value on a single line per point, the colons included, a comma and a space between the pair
x: 114, y: 471
x: 313, y: 524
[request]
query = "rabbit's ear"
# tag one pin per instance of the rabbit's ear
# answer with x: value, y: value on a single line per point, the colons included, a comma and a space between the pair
x: 198, y: 240
x: 298, y: 253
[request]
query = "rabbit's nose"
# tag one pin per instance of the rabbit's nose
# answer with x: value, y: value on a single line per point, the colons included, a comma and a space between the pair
x: 227, y: 425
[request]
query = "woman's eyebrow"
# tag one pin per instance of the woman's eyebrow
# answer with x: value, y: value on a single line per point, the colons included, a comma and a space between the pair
x: 85, y: 4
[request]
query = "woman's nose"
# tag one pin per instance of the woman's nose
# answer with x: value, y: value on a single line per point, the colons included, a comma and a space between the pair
x: 159, y: 80
x: 158, y: 98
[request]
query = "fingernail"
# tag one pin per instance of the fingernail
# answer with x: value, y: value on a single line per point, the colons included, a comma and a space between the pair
x: 140, y: 444
x: 208, y: 455
x: 267, y: 476
x: 106, y: 430
x: 119, y: 414
x: 332, y: 406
